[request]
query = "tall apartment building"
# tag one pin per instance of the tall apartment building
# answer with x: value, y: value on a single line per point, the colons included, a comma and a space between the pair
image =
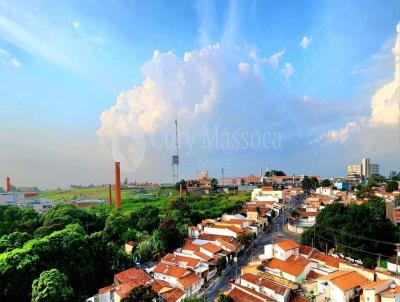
x: 364, y: 169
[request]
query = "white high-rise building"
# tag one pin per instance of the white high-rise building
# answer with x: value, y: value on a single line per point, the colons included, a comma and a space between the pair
x: 364, y: 169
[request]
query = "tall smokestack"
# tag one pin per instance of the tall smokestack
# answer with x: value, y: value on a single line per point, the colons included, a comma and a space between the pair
x: 109, y: 195
x: 180, y: 190
x: 8, y: 187
x: 117, y: 185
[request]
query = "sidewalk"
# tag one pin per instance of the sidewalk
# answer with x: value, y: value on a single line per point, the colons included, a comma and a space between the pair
x: 286, y: 230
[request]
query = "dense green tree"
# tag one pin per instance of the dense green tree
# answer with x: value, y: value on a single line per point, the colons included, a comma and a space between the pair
x: 355, y: 230
x: 392, y: 186
x: 178, y: 204
x: 224, y: 298
x: 274, y: 173
x: 66, y: 250
x: 245, y: 238
x: 116, y: 226
x: 51, y: 286
x: 214, y: 184
x: 143, y: 293
x: 13, y: 241
x: 325, y: 183
x: 221, y: 265
x: 314, y: 182
x: 14, y: 219
x: 169, y: 234
x: 179, y: 183
x: 145, y: 218
x: 306, y: 184
x: 63, y: 214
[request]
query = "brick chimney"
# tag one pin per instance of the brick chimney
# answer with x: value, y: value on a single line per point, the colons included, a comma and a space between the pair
x: 8, y: 187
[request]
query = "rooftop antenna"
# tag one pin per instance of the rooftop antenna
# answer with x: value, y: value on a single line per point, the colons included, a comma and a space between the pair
x: 175, y: 158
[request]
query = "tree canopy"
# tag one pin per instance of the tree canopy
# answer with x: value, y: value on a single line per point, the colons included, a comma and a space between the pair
x: 51, y: 286
x: 143, y: 293
x: 356, y: 230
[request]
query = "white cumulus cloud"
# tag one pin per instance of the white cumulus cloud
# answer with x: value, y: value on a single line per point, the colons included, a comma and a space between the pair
x: 385, y: 106
x: 287, y: 71
x: 173, y: 87
x: 305, y: 42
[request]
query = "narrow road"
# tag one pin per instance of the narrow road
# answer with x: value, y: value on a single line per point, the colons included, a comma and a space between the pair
x: 263, y: 238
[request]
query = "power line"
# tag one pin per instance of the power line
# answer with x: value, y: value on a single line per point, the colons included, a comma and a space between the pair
x: 357, y: 236
x: 353, y: 248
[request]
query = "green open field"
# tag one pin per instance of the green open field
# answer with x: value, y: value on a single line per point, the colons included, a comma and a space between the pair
x: 214, y: 204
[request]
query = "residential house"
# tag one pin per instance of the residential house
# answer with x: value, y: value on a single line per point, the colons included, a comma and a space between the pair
x: 340, y: 286
x: 265, y: 286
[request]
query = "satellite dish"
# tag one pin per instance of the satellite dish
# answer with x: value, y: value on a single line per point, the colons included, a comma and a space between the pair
x: 393, y: 285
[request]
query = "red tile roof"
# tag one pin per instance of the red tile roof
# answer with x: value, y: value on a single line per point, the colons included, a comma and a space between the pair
x: 305, y: 249
x: 124, y: 289
x: 160, y: 285
x: 212, y: 237
x: 173, y: 295
x: 328, y: 260
x: 288, y: 244
x: 212, y: 248
x: 298, y: 298
x: 299, y: 260
x: 373, y: 285
x: 349, y: 281
x: 171, y: 258
x: 106, y: 289
x: 312, y: 275
x: 191, y: 247
x: 137, y: 275
x: 203, y: 256
x: 277, y: 288
x: 231, y: 246
x: 244, y: 294
x: 287, y: 267
x: 189, y: 280
x: 172, y: 271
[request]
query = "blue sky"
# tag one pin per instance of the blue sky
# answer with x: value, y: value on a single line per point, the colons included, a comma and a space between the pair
x: 64, y: 63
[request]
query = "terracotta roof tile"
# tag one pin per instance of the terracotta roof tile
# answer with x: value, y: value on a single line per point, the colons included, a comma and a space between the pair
x: 312, y: 275
x: 160, y: 285
x: 173, y: 295
x: 212, y: 248
x: 191, y: 247
x: 189, y: 280
x: 106, y: 289
x: 305, y: 249
x: 178, y: 259
x: 172, y: 271
x: 287, y: 267
x: 244, y: 294
x: 203, y: 256
x: 277, y: 288
x: 328, y: 260
x: 139, y: 276
x: 373, y: 285
x: 349, y: 281
x: 288, y: 244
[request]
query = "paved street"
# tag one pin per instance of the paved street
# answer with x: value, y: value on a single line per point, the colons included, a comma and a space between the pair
x: 264, y: 238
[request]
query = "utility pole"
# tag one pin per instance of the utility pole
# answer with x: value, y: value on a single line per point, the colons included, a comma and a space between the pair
x: 326, y: 248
